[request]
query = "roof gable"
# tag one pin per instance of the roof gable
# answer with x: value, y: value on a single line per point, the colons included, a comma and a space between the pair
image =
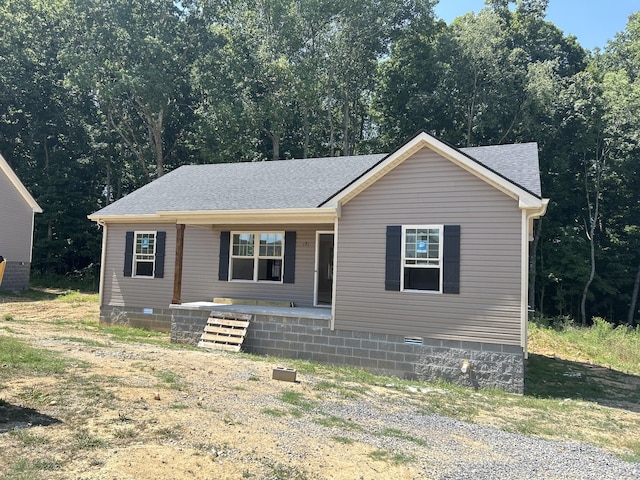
x: 513, y: 169
x: 15, y: 181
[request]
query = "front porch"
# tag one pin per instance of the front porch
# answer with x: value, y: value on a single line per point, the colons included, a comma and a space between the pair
x: 189, y: 319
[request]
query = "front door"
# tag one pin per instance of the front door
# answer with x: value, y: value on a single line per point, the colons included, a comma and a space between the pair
x: 324, y: 268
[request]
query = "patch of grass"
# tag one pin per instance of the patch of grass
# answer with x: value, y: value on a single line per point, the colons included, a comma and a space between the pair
x: 278, y: 471
x: 342, y: 440
x: 178, y: 406
x: 274, y: 412
x: 171, y: 433
x: 297, y: 399
x: 346, y: 391
x: 171, y: 380
x: 83, y: 440
x: 602, y: 343
x: 84, y: 341
x: 136, y: 335
x: 26, y: 469
x: 337, y: 422
x: 29, y: 439
x: 18, y: 358
x: 34, y: 396
x: 8, y: 317
x: 296, y: 413
x: 78, y: 297
x: 125, y: 432
x: 395, y: 433
x: 389, y: 457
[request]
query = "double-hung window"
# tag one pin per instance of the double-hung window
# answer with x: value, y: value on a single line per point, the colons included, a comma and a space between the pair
x: 257, y: 256
x: 144, y: 255
x: 422, y: 247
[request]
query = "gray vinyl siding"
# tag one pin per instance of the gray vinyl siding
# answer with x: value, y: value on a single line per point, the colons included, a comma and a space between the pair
x: 200, y: 268
x: 119, y: 290
x: 428, y: 189
x: 16, y: 223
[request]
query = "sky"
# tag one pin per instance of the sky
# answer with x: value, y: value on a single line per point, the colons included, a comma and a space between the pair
x: 594, y: 22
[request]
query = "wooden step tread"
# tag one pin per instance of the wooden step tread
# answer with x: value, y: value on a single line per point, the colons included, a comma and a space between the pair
x: 227, y: 323
x: 221, y: 338
x: 224, y: 330
x: 219, y: 346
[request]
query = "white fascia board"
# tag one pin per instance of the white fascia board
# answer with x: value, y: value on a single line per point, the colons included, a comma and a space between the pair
x: 230, y: 217
x: 15, y: 181
x: 101, y: 220
x: 424, y: 140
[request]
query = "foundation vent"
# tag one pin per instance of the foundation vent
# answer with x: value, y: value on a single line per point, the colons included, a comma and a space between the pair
x: 413, y: 341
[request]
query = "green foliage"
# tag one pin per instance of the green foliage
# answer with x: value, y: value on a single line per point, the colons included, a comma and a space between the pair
x: 297, y: 399
x: 20, y: 358
x: 617, y: 347
x: 389, y: 457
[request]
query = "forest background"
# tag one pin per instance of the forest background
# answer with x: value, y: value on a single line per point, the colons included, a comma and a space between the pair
x: 99, y: 97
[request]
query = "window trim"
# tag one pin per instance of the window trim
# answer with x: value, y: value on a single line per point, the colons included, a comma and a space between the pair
x: 135, y: 260
x: 256, y: 256
x: 403, y: 257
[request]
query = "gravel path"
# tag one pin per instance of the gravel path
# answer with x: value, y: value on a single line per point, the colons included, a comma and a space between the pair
x: 448, y: 449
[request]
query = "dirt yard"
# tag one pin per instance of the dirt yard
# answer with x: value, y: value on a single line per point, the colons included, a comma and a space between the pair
x: 127, y: 409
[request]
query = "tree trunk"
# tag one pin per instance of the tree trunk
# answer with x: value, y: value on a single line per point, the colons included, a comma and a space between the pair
x: 346, y: 150
x: 634, y: 299
x: 590, y: 228
x: 592, y: 273
x: 306, y: 132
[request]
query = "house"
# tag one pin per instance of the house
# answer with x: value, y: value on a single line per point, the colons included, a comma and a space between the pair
x: 413, y: 263
x: 17, y: 212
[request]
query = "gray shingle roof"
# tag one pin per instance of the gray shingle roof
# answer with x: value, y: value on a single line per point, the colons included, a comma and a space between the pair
x: 517, y: 162
x: 287, y: 184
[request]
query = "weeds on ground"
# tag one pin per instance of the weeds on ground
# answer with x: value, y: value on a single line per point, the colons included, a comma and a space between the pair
x: 602, y: 343
x: 18, y: 358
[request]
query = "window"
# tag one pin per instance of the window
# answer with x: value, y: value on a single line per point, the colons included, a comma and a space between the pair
x: 257, y: 257
x: 422, y: 258
x: 144, y: 254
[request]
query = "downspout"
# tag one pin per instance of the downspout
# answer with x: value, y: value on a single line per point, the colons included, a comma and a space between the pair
x: 528, y: 216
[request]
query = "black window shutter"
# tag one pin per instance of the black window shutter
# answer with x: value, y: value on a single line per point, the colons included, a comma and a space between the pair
x: 223, y: 266
x: 451, y: 259
x: 161, y: 240
x: 393, y: 258
x: 128, y: 254
x: 289, y: 274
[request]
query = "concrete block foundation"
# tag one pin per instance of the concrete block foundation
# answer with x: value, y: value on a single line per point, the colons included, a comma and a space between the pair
x: 16, y: 276
x: 284, y: 334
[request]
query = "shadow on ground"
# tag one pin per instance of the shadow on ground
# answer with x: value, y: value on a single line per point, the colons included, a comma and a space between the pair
x: 550, y: 377
x: 14, y: 417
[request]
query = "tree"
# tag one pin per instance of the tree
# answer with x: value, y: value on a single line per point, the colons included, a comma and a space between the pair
x: 133, y: 60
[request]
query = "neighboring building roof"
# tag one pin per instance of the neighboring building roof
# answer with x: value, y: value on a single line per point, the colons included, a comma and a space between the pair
x: 296, y: 184
x: 15, y: 181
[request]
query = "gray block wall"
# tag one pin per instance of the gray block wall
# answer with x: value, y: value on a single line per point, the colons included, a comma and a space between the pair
x: 155, y: 319
x: 16, y: 276
x: 498, y: 366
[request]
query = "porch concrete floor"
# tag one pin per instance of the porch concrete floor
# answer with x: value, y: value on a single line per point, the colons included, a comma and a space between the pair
x: 299, y: 312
